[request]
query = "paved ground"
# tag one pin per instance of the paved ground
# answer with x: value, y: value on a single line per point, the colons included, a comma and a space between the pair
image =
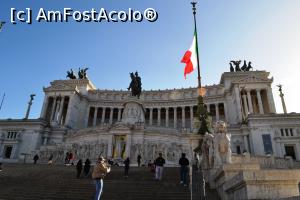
x: 41, y: 182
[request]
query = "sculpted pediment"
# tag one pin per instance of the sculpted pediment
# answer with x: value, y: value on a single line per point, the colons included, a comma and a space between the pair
x: 253, y: 79
x: 59, y: 87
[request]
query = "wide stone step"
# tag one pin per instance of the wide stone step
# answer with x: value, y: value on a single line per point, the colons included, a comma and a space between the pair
x: 37, y: 182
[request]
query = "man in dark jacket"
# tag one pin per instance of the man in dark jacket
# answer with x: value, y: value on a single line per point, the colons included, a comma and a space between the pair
x: 159, y: 166
x: 35, y: 158
x: 126, y: 167
x: 139, y: 157
x: 87, y: 166
x: 79, y: 168
x: 184, y: 163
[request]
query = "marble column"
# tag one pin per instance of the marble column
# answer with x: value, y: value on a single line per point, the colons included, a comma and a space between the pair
x: 53, y: 108
x: 103, y: 115
x: 45, y: 138
x: 175, y: 117
x: 183, y: 117
x: 110, y: 146
x: 260, y: 105
x: 57, y: 109
x: 238, y: 102
x: 246, y: 143
x: 61, y: 107
x: 283, y: 103
x: 119, y: 114
x: 128, y: 145
x: 87, y: 114
x: 111, y: 115
x: 249, y: 101
x: 225, y: 111
x: 191, y: 117
x: 69, y: 111
x: 158, y: 116
x: 208, y: 107
x: 245, y: 104
x: 282, y: 149
x: 151, y: 117
x: 271, y: 100
x: 217, y: 112
x: 95, y: 116
x: 167, y: 117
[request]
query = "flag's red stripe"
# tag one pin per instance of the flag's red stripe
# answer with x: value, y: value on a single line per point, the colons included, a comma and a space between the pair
x: 187, y: 57
x: 189, y: 65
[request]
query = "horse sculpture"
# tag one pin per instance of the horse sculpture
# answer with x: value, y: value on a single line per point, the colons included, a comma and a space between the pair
x: 237, y: 68
x: 82, y: 73
x: 70, y: 74
x: 135, y: 85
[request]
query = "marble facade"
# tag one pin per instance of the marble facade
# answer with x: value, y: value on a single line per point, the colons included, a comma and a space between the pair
x: 78, y: 117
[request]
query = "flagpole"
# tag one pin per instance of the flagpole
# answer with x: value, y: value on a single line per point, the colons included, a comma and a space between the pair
x: 198, y: 63
x: 2, y: 101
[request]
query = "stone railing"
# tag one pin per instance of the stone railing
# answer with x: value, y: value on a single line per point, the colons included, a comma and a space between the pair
x: 268, y: 162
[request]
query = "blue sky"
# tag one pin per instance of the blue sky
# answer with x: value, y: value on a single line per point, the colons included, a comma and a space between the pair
x: 264, y: 32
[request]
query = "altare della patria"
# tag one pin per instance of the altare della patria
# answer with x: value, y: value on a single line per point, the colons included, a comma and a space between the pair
x: 245, y: 141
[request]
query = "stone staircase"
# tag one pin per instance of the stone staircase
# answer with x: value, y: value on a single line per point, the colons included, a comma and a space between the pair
x: 58, y: 182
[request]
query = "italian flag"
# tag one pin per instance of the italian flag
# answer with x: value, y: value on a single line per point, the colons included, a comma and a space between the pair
x: 190, y: 57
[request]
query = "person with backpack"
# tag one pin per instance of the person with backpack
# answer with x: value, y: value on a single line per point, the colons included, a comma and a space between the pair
x: 100, y: 170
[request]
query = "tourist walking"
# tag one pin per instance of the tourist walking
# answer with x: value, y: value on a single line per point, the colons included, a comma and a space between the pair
x: 151, y: 166
x: 184, y: 163
x: 87, y: 167
x: 79, y: 168
x: 100, y: 170
x: 67, y: 159
x: 71, y: 158
x: 159, y: 166
x: 126, y: 166
x: 35, y: 158
x: 139, y: 157
x: 0, y: 163
x: 50, y: 159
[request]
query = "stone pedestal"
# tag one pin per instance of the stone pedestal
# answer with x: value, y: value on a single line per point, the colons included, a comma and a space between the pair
x: 263, y: 184
x: 219, y: 177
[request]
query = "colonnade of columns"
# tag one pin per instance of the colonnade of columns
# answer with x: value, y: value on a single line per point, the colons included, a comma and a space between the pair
x: 101, y: 115
x: 257, y: 101
x: 55, y: 109
x: 170, y: 117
